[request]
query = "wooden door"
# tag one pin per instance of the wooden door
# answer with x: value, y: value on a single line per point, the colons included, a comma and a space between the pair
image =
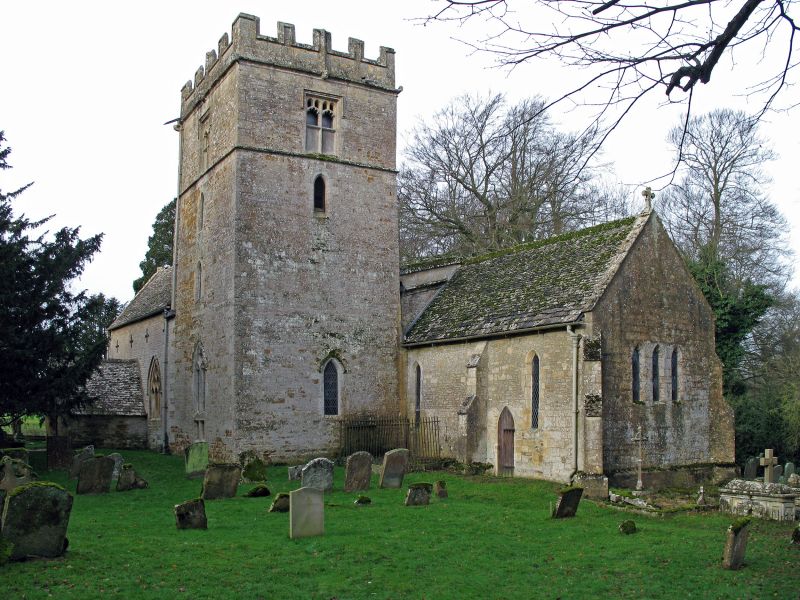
x: 505, y: 443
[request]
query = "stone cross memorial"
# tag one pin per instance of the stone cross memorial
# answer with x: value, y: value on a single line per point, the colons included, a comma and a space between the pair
x: 318, y: 474
x: 357, y: 472
x: 639, y: 438
x: 395, y: 464
x: 306, y: 513
x: 768, y: 462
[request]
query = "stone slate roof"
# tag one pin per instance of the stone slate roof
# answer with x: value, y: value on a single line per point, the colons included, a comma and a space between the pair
x: 152, y: 299
x: 548, y: 282
x: 116, y: 390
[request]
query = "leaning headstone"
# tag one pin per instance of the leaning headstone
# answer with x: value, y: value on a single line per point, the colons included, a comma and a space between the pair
x: 254, y: 470
x: 196, y: 460
x: 13, y: 473
x: 306, y: 513
x: 788, y: 470
x: 295, y: 473
x: 221, y: 481
x: 35, y: 520
x: 191, y: 515
x: 751, y: 468
x: 567, y: 504
x: 94, y: 476
x: 357, y: 472
x: 78, y: 459
x: 736, y: 544
x: 260, y: 491
x: 118, y: 462
x: 419, y: 494
x: 627, y: 527
x: 440, y: 489
x: 130, y: 480
x: 395, y: 464
x: 280, y: 504
x: 318, y: 474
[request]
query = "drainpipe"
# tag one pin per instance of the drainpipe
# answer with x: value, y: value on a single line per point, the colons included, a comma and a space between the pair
x: 168, y: 315
x: 576, y: 338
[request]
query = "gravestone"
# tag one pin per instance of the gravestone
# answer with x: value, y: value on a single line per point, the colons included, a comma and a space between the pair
x: 35, y: 520
x: 118, y: 462
x: 306, y: 513
x: 395, y: 464
x: 793, y: 480
x: 357, y: 472
x: 701, y: 497
x: 318, y: 474
x: 362, y: 501
x: 419, y: 494
x: 567, y: 504
x: 440, y: 489
x: 765, y: 500
x: 768, y: 462
x: 13, y: 473
x: 751, y: 468
x: 191, y: 515
x: 94, y: 476
x: 130, y: 480
x: 260, y: 491
x: 254, y: 470
x: 296, y: 472
x: 777, y: 473
x: 2, y: 500
x: 627, y: 527
x: 59, y: 452
x: 196, y: 460
x: 80, y: 456
x: 221, y: 481
x: 788, y: 471
x: 280, y: 504
x: 735, y: 544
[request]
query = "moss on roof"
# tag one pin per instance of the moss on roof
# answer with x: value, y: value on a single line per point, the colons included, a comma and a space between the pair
x: 541, y: 283
x: 152, y: 299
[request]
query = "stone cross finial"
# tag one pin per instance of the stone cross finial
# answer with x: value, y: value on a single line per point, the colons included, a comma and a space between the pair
x: 768, y: 462
x: 639, y: 438
x: 648, y: 197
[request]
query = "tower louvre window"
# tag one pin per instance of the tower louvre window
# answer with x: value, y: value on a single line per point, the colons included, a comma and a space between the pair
x: 320, y: 125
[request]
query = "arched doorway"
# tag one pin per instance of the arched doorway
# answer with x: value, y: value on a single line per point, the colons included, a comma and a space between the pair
x: 505, y: 443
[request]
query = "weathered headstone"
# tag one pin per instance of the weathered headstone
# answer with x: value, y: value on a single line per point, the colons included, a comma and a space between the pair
x: 94, y: 476
x: 751, y: 468
x: 296, y: 472
x: 260, y: 491
x: 395, y: 464
x: 567, y: 504
x: 419, y: 494
x: 254, y: 470
x: 191, y: 515
x: 221, y: 481
x: 788, y: 470
x: 59, y: 452
x: 35, y: 520
x: 793, y: 480
x: 796, y: 535
x: 80, y: 456
x: 280, y: 503
x: 440, y: 489
x: 306, y: 513
x: 318, y: 474
x: 735, y: 544
x: 627, y: 527
x: 13, y: 473
x: 130, y: 480
x: 357, y: 472
x: 196, y: 460
x: 777, y: 473
x: 768, y: 462
x: 118, y: 462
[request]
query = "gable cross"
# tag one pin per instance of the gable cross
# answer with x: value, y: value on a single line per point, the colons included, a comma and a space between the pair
x: 639, y: 438
x: 648, y: 194
x: 768, y: 462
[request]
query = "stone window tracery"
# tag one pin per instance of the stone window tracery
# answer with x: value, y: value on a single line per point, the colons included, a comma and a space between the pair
x: 154, y: 389
x: 320, y: 125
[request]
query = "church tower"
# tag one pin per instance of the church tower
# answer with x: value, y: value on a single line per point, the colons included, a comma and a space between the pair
x: 286, y: 288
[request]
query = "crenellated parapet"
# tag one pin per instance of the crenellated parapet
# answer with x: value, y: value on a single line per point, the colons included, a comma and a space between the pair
x: 283, y: 51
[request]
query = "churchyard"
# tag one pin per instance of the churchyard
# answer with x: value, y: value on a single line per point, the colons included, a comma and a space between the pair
x: 489, y: 538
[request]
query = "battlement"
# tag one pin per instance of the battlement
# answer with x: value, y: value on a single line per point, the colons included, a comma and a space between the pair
x: 247, y: 43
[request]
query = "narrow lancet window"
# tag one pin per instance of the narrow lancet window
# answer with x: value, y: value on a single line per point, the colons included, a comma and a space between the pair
x: 635, y: 375
x: 417, y: 394
x: 535, y: 392
x: 330, y: 384
x: 655, y: 375
x: 675, y: 375
x: 319, y: 194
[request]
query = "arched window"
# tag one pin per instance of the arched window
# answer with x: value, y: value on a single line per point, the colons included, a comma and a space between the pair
x: 535, y: 392
x: 635, y: 375
x: 320, y: 125
x: 417, y: 394
x: 154, y: 389
x: 330, y: 388
x: 319, y: 193
x: 198, y: 283
x: 674, y: 373
x: 655, y: 374
x: 199, y: 381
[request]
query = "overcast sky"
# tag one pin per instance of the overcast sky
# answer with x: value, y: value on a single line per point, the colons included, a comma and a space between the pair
x: 87, y: 86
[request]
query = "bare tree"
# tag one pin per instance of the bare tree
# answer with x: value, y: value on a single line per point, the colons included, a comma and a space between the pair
x: 482, y: 176
x: 626, y: 50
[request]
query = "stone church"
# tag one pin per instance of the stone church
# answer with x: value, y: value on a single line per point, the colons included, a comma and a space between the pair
x: 286, y: 308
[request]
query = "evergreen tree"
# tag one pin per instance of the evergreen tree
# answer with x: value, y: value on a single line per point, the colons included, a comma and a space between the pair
x: 159, y: 245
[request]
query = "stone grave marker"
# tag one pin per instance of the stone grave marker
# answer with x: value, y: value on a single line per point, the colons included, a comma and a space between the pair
x: 35, y: 520
x: 362, y: 501
x: 196, y: 460
x: 318, y: 474
x: 567, y: 504
x: 2, y: 501
x: 280, y: 504
x: 130, y: 480
x: 440, y: 489
x: 296, y: 472
x: 751, y: 468
x: 736, y: 544
x: 221, y: 481
x: 777, y: 473
x: 788, y: 470
x: 260, y: 491
x: 395, y: 464
x: 94, y: 476
x: 793, y: 480
x: 764, y: 500
x: 627, y: 527
x: 80, y: 456
x: 13, y: 473
x: 255, y: 470
x: 768, y: 462
x: 357, y: 472
x: 796, y: 535
x: 191, y: 515
x: 118, y: 462
x: 306, y: 513
x: 419, y: 494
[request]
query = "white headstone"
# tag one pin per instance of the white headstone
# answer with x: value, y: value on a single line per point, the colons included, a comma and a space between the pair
x: 306, y: 513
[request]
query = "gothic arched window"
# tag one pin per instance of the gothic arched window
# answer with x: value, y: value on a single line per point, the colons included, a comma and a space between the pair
x: 635, y: 374
x: 319, y: 193
x: 535, y: 392
x: 330, y: 388
x: 417, y: 393
x: 655, y: 374
x: 674, y: 375
x: 154, y: 389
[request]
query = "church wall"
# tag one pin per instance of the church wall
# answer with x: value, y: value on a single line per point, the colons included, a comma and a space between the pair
x: 653, y: 300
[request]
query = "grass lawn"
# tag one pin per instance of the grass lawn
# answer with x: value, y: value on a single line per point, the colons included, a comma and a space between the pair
x: 492, y: 538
